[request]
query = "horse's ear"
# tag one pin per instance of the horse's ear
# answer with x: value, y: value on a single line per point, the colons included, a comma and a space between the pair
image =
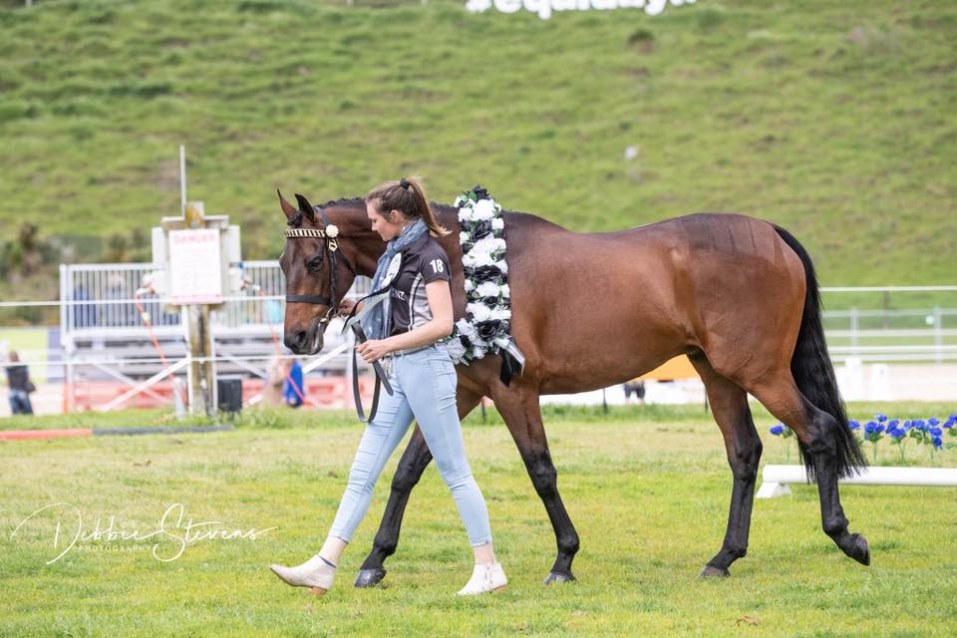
x: 287, y: 208
x: 306, y: 208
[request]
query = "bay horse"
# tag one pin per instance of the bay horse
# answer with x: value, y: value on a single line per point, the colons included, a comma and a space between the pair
x: 737, y: 295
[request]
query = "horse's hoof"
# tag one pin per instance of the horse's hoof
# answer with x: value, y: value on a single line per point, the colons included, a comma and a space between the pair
x: 860, y: 550
x: 710, y: 571
x: 370, y: 577
x: 558, y: 577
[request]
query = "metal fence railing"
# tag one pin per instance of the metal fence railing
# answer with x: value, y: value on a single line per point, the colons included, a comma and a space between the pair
x: 103, y: 336
x: 101, y: 331
x: 101, y: 299
x: 891, y: 324
x: 882, y: 324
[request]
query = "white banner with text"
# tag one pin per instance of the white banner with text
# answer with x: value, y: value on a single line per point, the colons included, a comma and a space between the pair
x: 545, y: 8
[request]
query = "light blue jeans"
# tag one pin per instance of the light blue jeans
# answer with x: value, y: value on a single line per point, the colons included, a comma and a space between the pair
x: 424, y: 384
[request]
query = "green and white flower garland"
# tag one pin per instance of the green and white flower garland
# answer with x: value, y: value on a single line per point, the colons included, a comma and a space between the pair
x: 486, y: 327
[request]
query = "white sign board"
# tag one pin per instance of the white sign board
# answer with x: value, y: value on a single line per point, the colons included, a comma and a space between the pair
x: 195, y: 267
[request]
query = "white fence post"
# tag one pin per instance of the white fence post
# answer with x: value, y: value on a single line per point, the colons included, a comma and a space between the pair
x: 938, y: 335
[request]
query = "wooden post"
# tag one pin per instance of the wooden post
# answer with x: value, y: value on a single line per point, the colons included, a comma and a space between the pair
x: 201, y: 376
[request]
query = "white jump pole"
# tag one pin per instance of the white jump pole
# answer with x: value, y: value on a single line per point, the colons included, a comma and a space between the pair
x: 775, y: 478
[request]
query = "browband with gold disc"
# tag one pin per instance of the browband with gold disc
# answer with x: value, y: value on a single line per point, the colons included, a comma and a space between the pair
x: 331, y: 231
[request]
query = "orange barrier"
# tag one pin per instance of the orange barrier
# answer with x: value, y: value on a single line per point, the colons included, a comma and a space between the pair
x: 324, y: 392
x: 678, y: 368
x: 44, y: 434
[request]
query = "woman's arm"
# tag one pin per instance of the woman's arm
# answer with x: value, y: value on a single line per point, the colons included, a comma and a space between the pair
x: 439, y: 296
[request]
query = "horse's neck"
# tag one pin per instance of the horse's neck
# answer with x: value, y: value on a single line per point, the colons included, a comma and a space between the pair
x: 350, y: 216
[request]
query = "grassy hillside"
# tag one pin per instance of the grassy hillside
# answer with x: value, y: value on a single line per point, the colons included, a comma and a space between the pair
x: 834, y: 118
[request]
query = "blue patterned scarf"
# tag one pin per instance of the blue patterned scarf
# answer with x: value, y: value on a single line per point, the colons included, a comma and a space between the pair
x: 377, y: 323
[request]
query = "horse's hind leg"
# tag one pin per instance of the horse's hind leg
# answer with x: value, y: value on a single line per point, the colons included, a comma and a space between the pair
x: 818, y: 433
x: 729, y: 403
x: 411, y: 466
x: 520, y: 408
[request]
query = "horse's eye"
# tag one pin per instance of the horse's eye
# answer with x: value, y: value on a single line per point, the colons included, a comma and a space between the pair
x: 315, y: 263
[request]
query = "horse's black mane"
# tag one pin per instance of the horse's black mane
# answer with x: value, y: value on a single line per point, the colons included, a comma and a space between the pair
x: 344, y: 200
x: 296, y: 220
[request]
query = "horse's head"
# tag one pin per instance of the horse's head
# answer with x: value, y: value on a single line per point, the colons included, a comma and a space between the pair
x: 317, y: 272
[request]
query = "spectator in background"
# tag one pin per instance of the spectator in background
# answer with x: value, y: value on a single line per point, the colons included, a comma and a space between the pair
x: 120, y: 315
x: 293, y: 391
x: 636, y: 387
x: 273, y: 310
x: 18, y: 378
x: 275, y: 382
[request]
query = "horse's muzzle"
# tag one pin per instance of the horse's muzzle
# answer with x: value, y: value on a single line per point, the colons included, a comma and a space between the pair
x: 307, y: 342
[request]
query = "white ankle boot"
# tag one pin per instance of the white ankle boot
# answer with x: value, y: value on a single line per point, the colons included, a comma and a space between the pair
x: 485, y: 578
x: 315, y: 573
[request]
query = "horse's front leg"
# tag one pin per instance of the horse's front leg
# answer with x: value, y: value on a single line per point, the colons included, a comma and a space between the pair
x: 519, y: 406
x: 413, y: 462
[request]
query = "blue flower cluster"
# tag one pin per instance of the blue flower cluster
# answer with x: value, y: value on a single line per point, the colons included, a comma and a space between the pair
x: 782, y: 430
x: 925, y: 431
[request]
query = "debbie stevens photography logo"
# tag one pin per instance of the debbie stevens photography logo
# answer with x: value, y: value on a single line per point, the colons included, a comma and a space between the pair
x: 63, y: 525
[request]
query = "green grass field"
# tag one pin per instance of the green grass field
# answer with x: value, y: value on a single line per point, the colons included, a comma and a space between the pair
x: 647, y: 488
x: 833, y: 118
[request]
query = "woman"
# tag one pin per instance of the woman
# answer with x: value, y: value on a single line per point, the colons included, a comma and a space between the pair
x: 406, y: 329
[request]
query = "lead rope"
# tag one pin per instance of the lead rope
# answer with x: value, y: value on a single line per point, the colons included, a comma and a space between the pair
x: 381, y: 378
x: 330, y: 234
x: 332, y: 246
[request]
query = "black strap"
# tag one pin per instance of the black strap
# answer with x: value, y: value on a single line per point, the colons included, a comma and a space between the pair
x: 380, y: 376
x: 355, y: 308
x: 314, y: 299
x: 358, y: 397
x: 381, y: 379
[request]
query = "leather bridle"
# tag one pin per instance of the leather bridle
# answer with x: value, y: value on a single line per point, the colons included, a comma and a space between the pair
x: 330, y: 236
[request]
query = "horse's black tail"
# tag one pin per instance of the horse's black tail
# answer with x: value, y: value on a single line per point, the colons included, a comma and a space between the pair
x: 812, y: 371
